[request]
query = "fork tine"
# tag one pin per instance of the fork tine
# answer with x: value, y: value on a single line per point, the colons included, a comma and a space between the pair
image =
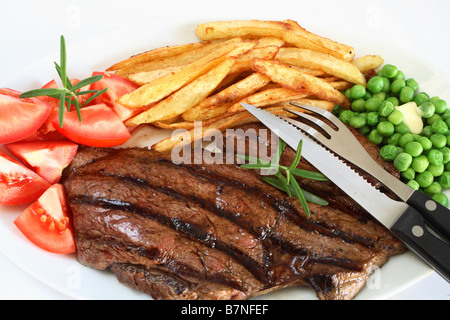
x: 324, y: 126
x: 324, y: 113
x: 308, y: 129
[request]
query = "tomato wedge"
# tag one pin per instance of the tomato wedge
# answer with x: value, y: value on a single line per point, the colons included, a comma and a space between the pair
x: 18, y: 184
x: 99, y: 127
x: 47, y: 223
x: 117, y: 87
x: 20, y: 117
x: 46, y: 158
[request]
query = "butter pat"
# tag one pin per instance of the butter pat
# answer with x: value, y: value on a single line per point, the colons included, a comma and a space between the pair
x: 412, y: 116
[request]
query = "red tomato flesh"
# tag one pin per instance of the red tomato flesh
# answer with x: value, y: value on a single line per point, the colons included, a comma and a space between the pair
x: 20, y: 117
x: 117, y: 87
x: 99, y: 127
x: 18, y: 184
x: 46, y: 158
x: 47, y: 223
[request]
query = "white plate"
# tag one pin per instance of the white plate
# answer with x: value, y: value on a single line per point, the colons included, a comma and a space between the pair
x: 100, y: 49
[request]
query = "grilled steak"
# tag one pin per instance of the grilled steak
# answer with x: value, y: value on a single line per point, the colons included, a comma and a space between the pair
x: 210, y: 231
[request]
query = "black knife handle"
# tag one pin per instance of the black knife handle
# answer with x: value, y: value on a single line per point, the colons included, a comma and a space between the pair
x: 436, y: 215
x: 410, y: 228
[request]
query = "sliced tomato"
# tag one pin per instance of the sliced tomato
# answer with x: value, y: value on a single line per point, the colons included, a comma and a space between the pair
x: 99, y: 127
x: 117, y: 87
x: 47, y: 223
x: 20, y: 118
x: 46, y: 158
x: 18, y: 184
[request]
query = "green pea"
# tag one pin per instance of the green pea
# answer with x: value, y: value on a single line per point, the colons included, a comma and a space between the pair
x: 441, y: 198
x: 439, y: 126
x: 438, y: 140
x: 435, y: 157
x: 424, y: 179
x: 399, y: 75
x: 394, y: 139
x: 375, y: 84
x: 402, y: 128
x: 393, y: 100
x: 372, y: 118
x: 420, y: 98
x: 406, y: 94
x: 347, y: 94
x: 389, y: 71
x: 425, y: 142
x: 365, y: 130
x: 405, y: 138
x: 428, y: 109
x: 386, y: 85
x: 389, y: 152
x: 357, y: 91
x: 375, y: 137
x: 395, y: 117
x: 446, y: 114
x: 444, y: 179
x: 386, y: 108
x: 414, y: 148
x: 397, y: 85
x: 402, y: 161
x: 408, y: 174
x: 373, y: 104
x: 357, y: 122
x: 367, y: 96
x: 433, y: 188
x: 358, y: 105
x: 435, y: 117
x: 420, y: 163
x: 440, y: 105
x: 436, y: 170
x: 427, y: 131
x: 346, y: 115
x: 412, y: 84
x: 432, y: 99
x: 413, y: 184
x: 386, y: 128
x: 446, y: 152
x: 380, y: 95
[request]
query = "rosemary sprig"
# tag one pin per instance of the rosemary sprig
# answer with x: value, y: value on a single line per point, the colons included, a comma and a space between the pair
x: 287, y: 182
x: 68, y: 94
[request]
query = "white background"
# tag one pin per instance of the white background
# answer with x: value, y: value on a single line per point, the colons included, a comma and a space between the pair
x: 30, y: 30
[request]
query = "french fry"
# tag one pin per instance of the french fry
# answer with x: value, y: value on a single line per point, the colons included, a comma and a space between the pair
x: 368, y: 62
x: 299, y: 81
x: 320, y: 61
x: 287, y: 30
x: 244, y: 62
x: 155, y: 54
x: 144, y: 77
x: 218, y: 104
x: 326, y: 105
x: 177, y: 60
x: 268, y: 97
x: 160, y: 88
x: 185, y: 98
x: 175, y: 125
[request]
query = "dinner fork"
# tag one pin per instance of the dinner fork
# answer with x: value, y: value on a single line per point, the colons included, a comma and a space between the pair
x: 326, y: 129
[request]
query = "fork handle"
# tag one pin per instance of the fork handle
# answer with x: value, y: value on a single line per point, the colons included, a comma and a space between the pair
x: 436, y: 215
x: 411, y: 230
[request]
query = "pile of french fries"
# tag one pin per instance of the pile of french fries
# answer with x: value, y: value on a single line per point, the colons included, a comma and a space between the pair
x: 264, y: 63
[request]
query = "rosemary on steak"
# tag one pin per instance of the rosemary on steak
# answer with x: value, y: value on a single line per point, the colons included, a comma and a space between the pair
x: 287, y: 182
x: 69, y: 93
